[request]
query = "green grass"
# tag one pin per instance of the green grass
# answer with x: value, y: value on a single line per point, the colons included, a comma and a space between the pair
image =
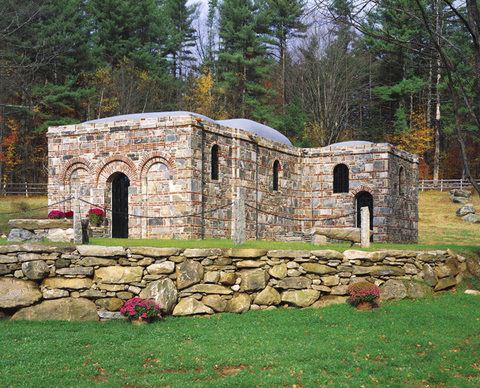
x: 429, y: 342
x: 22, y: 207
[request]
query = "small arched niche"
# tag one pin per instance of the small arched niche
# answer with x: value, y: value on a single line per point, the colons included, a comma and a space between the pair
x: 341, y: 179
x: 276, y: 169
x: 214, y: 163
x: 363, y: 199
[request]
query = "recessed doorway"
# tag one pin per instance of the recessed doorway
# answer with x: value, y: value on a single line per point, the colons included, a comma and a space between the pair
x: 120, y: 185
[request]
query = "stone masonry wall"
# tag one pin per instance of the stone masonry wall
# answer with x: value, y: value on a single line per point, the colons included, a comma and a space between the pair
x: 92, y: 282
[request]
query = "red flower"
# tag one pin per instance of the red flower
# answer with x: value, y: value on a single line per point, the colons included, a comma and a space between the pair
x: 56, y: 214
x: 69, y: 214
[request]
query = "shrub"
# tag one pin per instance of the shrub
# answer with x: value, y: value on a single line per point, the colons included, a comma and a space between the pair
x: 69, y: 214
x: 363, y: 292
x: 56, y: 215
x: 138, y: 308
x: 96, y: 216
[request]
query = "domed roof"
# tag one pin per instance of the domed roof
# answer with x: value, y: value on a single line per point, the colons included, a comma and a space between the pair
x: 245, y: 124
x: 351, y: 143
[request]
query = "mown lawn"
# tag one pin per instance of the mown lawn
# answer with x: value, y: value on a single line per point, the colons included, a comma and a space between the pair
x: 429, y: 342
x: 20, y: 207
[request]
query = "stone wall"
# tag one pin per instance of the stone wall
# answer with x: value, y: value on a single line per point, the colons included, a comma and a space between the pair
x: 168, y: 162
x: 92, y: 282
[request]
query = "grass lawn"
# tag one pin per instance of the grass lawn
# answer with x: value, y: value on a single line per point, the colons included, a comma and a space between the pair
x: 439, y: 228
x: 429, y: 342
x: 22, y: 206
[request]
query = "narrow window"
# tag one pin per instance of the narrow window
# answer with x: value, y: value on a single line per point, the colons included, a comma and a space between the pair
x: 401, y: 181
x: 276, y: 167
x: 214, y: 159
x: 340, y: 179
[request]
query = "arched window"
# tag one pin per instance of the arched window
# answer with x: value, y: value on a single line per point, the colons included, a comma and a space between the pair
x: 276, y: 168
x: 340, y: 179
x: 401, y: 181
x: 214, y: 161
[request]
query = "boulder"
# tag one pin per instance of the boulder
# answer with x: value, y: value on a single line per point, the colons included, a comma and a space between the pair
x: 118, y: 274
x: 318, y: 239
x: 93, y: 294
x: 446, y: 283
x: 18, y: 293
x: 301, y: 298
x: 460, y: 193
x: 278, y: 271
x: 249, y: 264
x: 67, y: 309
x: 465, y: 209
x: 100, y: 251
x: 328, y: 254
x: 163, y: 292
x: 103, y: 314
x: 96, y: 261
x: 268, y: 297
x: 459, y: 199
x: 54, y: 293
x: 330, y: 281
x: 196, y: 252
x: 188, y: 273
x: 154, y: 252
x: 22, y: 235
x: 254, y: 280
x: 60, y: 235
x: 110, y: 304
x: 4, y: 259
x: 386, y: 271
x: 318, y: 269
x: 35, y: 270
x: 429, y: 275
x: 167, y: 267
x: 240, y: 303
x: 22, y: 257
x: 410, y: 269
x: 417, y: 290
x: 190, y: 306
x: 329, y: 300
x: 364, y: 255
x: 33, y: 224
x: 472, y: 218
x: 393, y: 289
x: 340, y: 290
x: 472, y: 292
x: 247, y: 253
x: 75, y: 271
x: 298, y: 282
x: 69, y: 283
x: 343, y: 234
x: 473, y: 264
x: 216, y: 302
x: 209, y: 289
x: 288, y: 254
x: 211, y: 277
x: 227, y: 278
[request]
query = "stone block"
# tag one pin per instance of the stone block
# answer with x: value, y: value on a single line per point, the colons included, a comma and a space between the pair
x: 118, y: 274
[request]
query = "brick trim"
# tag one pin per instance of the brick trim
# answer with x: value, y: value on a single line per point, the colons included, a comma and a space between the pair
x: 156, y: 157
x: 71, y: 165
x: 113, y: 164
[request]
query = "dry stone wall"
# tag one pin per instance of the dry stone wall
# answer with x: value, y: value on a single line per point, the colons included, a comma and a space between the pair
x: 93, y: 282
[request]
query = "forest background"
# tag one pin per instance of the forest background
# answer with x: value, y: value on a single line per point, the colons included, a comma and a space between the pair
x: 405, y: 72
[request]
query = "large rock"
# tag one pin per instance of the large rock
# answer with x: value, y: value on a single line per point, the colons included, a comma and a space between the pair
x: 278, y: 271
x: 196, y: 252
x: 32, y: 224
x: 288, y: 254
x: 167, y: 267
x: 188, y: 273
x: 254, y: 280
x: 298, y: 282
x: 465, y: 209
x: 209, y: 289
x: 110, y: 304
x: 100, y: 251
x: 96, y: 261
x: 344, y: 234
x: 249, y: 264
x: 163, y: 292
x: 190, y: 306
x: 227, y: 278
x: 416, y: 290
x: 446, y: 283
x: 330, y: 281
x: 460, y: 193
x: 75, y: 271
x: 118, y: 275
x: 318, y: 269
x: 216, y: 302
x: 60, y: 235
x: 22, y: 257
x: 67, y: 309
x: 393, y: 289
x: 329, y: 300
x: 459, y: 199
x: 54, y: 293
x: 328, y: 254
x: 247, y: 253
x: 240, y: 303
x: 18, y: 293
x: 473, y: 264
x: 301, y: 298
x: 268, y: 297
x: 386, y: 271
x: 35, y: 270
x: 429, y: 275
x: 69, y: 283
x: 154, y: 252
x: 472, y: 218
x: 22, y: 235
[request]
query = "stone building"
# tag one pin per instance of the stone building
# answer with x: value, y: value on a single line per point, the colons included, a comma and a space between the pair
x: 175, y: 174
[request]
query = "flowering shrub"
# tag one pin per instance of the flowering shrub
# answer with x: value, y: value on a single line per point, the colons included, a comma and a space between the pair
x: 56, y: 215
x: 96, y: 216
x: 137, y: 308
x: 69, y: 214
x: 363, y: 292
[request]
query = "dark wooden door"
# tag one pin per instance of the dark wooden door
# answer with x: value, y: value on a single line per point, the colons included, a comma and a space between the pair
x: 120, y: 184
x: 364, y: 199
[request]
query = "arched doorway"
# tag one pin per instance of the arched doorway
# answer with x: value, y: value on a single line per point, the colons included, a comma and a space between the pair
x: 120, y: 184
x: 364, y: 198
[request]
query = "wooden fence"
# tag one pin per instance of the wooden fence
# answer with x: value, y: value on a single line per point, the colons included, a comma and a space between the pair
x: 444, y: 184
x: 24, y: 189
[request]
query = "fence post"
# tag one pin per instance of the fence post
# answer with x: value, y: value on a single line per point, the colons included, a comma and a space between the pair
x: 365, y: 227
x: 26, y: 189
x: 461, y: 183
x: 441, y: 184
x: 423, y: 184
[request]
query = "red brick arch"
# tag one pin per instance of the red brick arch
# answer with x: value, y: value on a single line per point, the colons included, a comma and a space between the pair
x: 113, y: 164
x: 156, y: 157
x: 71, y: 166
